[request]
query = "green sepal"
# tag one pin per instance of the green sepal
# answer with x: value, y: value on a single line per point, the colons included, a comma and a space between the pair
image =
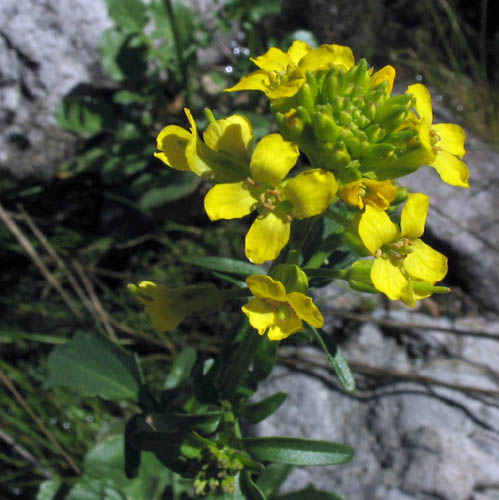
x: 249, y: 488
x: 291, y: 276
x: 298, y: 451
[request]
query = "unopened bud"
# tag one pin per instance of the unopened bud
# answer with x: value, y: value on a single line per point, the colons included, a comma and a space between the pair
x: 324, y: 127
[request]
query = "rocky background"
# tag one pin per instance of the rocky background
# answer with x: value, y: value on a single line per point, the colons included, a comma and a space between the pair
x: 425, y: 417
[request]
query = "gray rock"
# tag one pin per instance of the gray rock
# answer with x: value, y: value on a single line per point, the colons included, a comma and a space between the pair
x: 47, y: 47
x: 417, y: 432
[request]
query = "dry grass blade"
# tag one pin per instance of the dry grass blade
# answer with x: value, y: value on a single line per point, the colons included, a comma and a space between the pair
x: 30, y: 250
x: 39, y: 423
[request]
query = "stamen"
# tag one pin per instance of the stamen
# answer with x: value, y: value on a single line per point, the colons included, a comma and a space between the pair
x: 249, y: 180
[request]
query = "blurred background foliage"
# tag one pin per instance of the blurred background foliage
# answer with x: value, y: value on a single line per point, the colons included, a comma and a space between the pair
x: 114, y: 214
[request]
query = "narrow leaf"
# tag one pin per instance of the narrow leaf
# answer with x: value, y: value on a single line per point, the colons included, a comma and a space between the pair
x: 257, y: 412
x: 338, y: 362
x: 249, y: 489
x: 181, y: 368
x: 93, y: 366
x: 205, y: 423
x: 298, y: 451
x: 224, y: 265
x: 272, y: 478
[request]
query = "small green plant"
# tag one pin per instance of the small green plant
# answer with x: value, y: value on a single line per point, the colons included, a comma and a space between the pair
x: 341, y: 214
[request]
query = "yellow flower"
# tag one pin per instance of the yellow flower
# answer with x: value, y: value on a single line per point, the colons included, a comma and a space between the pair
x: 223, y: 155
x: 444, y: 142
x: 281, y: 74
x: 167, y: 307
x: 402, y: 259
x: 277, y: 312
x: 276, y: 200
x: 366, y: 191
x: 386, y: 74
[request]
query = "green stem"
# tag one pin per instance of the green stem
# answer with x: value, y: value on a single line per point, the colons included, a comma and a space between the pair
x: 235, y: 293
x: 178, y: 47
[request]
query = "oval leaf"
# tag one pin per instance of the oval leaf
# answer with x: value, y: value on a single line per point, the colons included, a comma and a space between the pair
x: 298, y: 451
x: 93, y: 366
x: 181, y: 368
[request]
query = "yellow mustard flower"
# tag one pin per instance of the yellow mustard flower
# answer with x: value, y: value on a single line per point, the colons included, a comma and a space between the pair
x: 378, y: 194
x: 281, y: 74
x: 167, y: 307
x: 401, y: 258
x: 444, y: 142
x: 223, y: 155
x: 276, y: 199
x: 277, y: 312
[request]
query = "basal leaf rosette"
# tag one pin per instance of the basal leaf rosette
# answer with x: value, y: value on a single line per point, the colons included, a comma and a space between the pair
x: 222, y: 156
x: 275, y: 198
x: 281, y: 74
x: 402, y: 259
x: 276, y: 312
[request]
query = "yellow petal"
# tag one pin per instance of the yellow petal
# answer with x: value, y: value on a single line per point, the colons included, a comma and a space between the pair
x: 233, y: 135
x: 351, y: 193
x: 452, y: 138
x: 423, y: 101
x: 274, y: 60
x: 424, y: 137
x: 306, y: 309
x: 413, y: 217
x: 386, y: 74
x: 376, y: 229
x: 285, y: 326
x: 229, y: 201
x: 265, y: 287
x: 327, y: 56
x: 452, y: 170
x: 272, y: 159
x: 311, y: 192
x: 379, y: 194
x: 171, y: 142
x: 267, y: 236
x: 287, y: 88
x: 388, y: 278
x: 161, y: 305
x: 258, y: 80
x: 261, y: 314
x: 425, y: 263
x: 298, y: 51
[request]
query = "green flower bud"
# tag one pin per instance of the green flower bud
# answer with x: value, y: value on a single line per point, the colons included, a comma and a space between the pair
x: 375, y: 133
x: 359, y: 276
x: 324, y: 127
x: 306, y: 97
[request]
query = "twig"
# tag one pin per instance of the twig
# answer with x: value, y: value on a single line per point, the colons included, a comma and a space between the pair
x: 39, y: 423
x: 60, y: 263
x: 103, y: 315
x: 14, y: 229
x: 367, y: 318
x: 24, y: 453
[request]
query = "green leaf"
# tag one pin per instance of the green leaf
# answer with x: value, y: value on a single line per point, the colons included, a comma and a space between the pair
x: 48, y: 490
x: 133, y: 455
x: 128, y: 14
x: 310, y: 493
x: 224, y: 265
x: 257, y: 412
x: 94, y: 366
x: 338, y: 362
x: 249, y: 489
x: 111, y: 43
x: 272, y: 477
x: 298, y: 451
x: 181, y: 368
x: 265, y: 359
x: 205, y: 423
x: 84, y: 114
x: 104, y: 478
x: 180, y: 185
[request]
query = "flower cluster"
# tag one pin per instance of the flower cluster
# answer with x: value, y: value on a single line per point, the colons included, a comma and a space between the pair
x: 358, y: 140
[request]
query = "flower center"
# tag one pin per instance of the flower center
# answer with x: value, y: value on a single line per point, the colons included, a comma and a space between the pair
x: 397, y: 251
x: 434, y: 139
